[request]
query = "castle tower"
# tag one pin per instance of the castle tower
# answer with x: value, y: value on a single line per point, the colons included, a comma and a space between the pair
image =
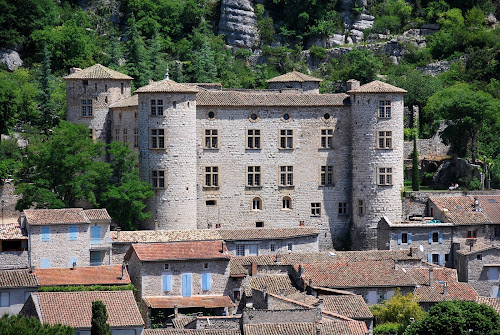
x: 295, y: 81
x: 167, y: 146
x: 89, y: 92
x: 377, y: 158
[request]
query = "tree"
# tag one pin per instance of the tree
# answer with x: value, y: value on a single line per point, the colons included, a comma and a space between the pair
x: 21, y: 325
x: 99, y: 317
x: 465, y: 111
x: 457, y: 318
x: 203, y: 67
x: 415, y: 176
x: 46, y: 107
x: 137, y: 56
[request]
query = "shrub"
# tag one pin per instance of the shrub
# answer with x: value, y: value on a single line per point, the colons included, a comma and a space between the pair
x: 475, y: 184
x: 318, y: 52
x: 390, y: 328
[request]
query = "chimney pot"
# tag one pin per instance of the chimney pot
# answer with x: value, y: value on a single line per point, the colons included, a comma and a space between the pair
x: 445, y: 288
x: 73, y: 266
x: 254, y: 268
x: 431, y: 277
x: 176, y: 311
x: 118, y: 230
x: 123, y: 271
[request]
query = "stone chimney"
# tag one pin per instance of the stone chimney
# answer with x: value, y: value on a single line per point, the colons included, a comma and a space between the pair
x: 176, y: 311
x: 278, y: 258
x: 352, y: 84
x: 73, y: 266
x: 254, y: 270
x: 431, y: 277
x: 445, y: 288
x: 301, y: 270
x: 118, y: 230
x: 264, y: 293
x: 123, y: 271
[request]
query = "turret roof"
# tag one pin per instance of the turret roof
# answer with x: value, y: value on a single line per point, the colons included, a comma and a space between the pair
x: 98, y: 71
x: 166, y: 85
x: 293, y: 76
x: 377, y: 86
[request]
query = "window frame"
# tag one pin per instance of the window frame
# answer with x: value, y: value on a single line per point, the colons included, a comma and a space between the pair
x: 327, y: 172
x: 240, y: 250
x: 158, y: 175
x: 326, y: 138
x: 315, y: 208
x: 256, y: 204
x: 157, y: 139
x: 156, y: 107
x: 256, y: 139
x: 212, y: 173
x: 361, y: 207
x: 125, y: 136
x: 343, y: 209
x: 211, y: 139
x: 286, y: 199
x: 285, y: 174
x: 253, y: 176
x: 286, y: 139
x: 386, y: 138
x: 136, y: 137
x: 86, y: 108
x: 386, y: 174
x: 384, y: 109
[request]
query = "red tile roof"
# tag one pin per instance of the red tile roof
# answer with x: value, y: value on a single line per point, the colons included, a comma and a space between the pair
x: 301, y: 328
x: 422, y: 277
x: 352, y: 306
x: 90, y: 275
x: 97, y: 214
x: 272, y: 283
x: 55, y: 216
x: 98, y: 71
x: 179, y: 251
x: 456, y: 291
x: 266, y: 233
x: 293, y: 76
x: 166, y: 331
x: 375, y: 255
x: 205, y: 301
x: 492, y: 302
x: 17, y: 278
x: 490, y: 205
x: 377, y: 86
x: 74, y: 309
x: 11, y: 231
x: 459, y: 210
x: 343, y: 328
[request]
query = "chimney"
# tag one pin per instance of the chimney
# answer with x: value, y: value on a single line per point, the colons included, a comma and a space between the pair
x: 176, y: 311
x: 118, y: 230
x: 310, y: 282
x: 264, y: 293
x: 431, y: 277
x: 223, y: 246
x: 318, y: 329
x: 254, y: 269
x: 445, y: 288
x: 301, y: 223
x: 278, y: 258
x: 282, y: 292
x: 150, y: 81
x: 352, y: 84
x: 73, y: 266
x: 301, y: 270
x: 123, y: 271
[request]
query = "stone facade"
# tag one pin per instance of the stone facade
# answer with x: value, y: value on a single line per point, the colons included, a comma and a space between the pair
x: 14, y: 259
x: 276, y: 246
x: 17, y: 298
x: 480, y: 269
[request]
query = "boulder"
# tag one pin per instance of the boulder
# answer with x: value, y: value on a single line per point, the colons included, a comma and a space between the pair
x: 356, y: 35
x: 10, y: 59
x: 335, y: 40
x: 238, y: 23
x: 363, y: 22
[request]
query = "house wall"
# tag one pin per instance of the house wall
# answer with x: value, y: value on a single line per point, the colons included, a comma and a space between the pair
x: 300, y: 244
x: 125, y: 119
x: 477, y: 272
x: 13, y: 260
x: 311, y: 87
x: 17, y: 298
x: 382, y: 293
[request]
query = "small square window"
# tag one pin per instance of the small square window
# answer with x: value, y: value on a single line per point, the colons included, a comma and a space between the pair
x: 240, y: 250
x: 211, y: 203
x: 205, y: 265
x: 259, y: 224
x: 435, y: 237
x: 404, y: 237
x: 435, y: 258
x: 167, y: 266
x: 342, y: 208
x: 237, y: 294
x: 479, y: 257
x: 290, y: 246
x: 272, y: 247
x: 315, y: 209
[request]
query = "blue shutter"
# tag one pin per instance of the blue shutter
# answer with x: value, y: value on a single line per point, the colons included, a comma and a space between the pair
x: 167, y: 282
x: 73, y: 233
x: 429, y: 258
x: 440, y: 237
x: 409, y: 238
x: 430, y: 237
x: 441, y: 259
x: 95, y: 234
x: 399, y: 238
x: 45, y: 263
x: 186, y: 284
x: 45, y: 234
x: 205, y: 285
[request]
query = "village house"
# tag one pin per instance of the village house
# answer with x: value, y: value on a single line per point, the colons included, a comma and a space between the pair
x: 15, y: 288
x: 13, y: 246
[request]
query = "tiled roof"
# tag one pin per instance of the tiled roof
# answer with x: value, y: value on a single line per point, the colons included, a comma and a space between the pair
x: 421, y: 275
x: 304, y: 298
x: 55, y: 216
x: 97, y: 214
x: 74, y: 309
x: 98, y: 71
x: 182, y: 320
x: 293, y: 76
x: 335, y: 327
x: 17, y: 278
x: 239, y: 265
x: 179, y: 251
x: 356, y: 274
x: 377, y: 86
x: 167, y: 331
x: 168, y: 86
x: 301, y: 328
x: 265, y: 233
x: 11, y: 231
x: 352, y: 306
x: 131, y: 101
x: 456, y: 291
x: 376, y: 255
x: 490, y: 204
x: 205, y: 301
x: 277, y: 284
x: 459, y: 210
x: 242, y: 99
x: 477, y: 247
x: 151, y: 236
x: 89, y: 275
x: 492, y: 302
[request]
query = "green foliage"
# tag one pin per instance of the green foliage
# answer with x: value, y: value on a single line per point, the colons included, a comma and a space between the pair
x: 415, y: 176
x: 80, y: 288
x: 265, y: 25
x: 474, y: 184
x: 137, y: 65
x: 357, y: 64
x: 99, y: 326
x: 457, y: 318
x: 10, y: 158
x: 389, y: 328
x: 391, y: 15
x: 21, y: 325
x: 318, y: 53
x: 203, y: 67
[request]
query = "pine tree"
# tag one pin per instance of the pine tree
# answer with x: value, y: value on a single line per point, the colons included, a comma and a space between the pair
x: 415, y: 175
x: 158, y: 66
x: 204, y: 68
x: 99, y: 317
x: 137, y: 64
x: 46, y: 107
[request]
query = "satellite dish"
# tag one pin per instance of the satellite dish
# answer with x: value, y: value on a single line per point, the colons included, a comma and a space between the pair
x: 421, y: 248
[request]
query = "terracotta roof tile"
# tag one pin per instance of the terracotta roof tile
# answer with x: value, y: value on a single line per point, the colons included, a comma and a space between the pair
x: 18, y: 278
x: 352, y: 306
x: 98, y: 71
x: 166, y: 331
x: 74, y: 309
x: 293, y: 76
x: 277, y: 284
x: 205, y: 301
x: 375, y: 255
x: 302, y: 328
x: 492, y: 302
x: 377, y: 86
x: 55, y: 216
x: 90, y: 275
x: 179, y: 251
x: 478, y: 247
x: 166, y: 85
x: 97, y: 214
x: 343, y: 328
x: 456, y: 291
x: 459, y: 210
x: 490, y: 205
x: 265, y: 233
x: 150, y: 236
x: 11, y: 231
x: 421, y: 275
x: 182, y: 320
x: 303, y: 297
x: 132, y: 101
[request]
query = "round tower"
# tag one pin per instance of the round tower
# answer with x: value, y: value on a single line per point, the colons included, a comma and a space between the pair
x: 167, y: 152
x: 377, y: 158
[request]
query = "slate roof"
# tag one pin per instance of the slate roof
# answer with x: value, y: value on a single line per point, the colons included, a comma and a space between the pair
x: 55, y: 216
x: 97, y: 214
x: 74, y: 309
x: 132, y: 101
x: 459, y: 210
x: 98, y: 71
x: 356, y: 274
x: 167, y: 331
x: 492, y: 302
x: 242, y: 99
x: 205, y: 301
x: 293, y: 76
x: 179, y: 251
x: 456, y: 291
x: 17, y: 278
x: 182, y: 320
x: 272, y: 283
x: 352, y: 306
x: 377, y: 86
x: 266, y: 233
x: 168, y: 86
x: 11, y: 231
x: 89, y: 275
x: 151, y: 236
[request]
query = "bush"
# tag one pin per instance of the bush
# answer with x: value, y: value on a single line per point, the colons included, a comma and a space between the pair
x: 475, y: 184
x: 390, y: 328
x: 318, y: 52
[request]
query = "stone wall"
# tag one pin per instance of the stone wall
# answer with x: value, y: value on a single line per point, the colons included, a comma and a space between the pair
x: 477, y: 272
x: 299, y: 244
x: 14, y: 260
x: 7, y: 194
x: 124, y: 126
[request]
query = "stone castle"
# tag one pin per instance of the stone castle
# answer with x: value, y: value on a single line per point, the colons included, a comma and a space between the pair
x: 283, y: 157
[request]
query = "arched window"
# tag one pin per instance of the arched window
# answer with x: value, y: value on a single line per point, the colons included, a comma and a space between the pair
x: 286, y: 203
x: 257, y: 204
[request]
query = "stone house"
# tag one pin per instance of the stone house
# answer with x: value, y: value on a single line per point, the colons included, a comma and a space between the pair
x: 74, y: 309
x: 13, y: 246
x: 15, y: 288
x: 62, y: 237
x: 261, y: 158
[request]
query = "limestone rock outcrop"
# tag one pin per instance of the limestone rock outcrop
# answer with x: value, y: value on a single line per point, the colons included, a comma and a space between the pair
x: 10, y: 59
x: 238, y: 23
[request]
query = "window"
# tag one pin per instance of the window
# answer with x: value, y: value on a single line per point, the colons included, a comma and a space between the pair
x: 174, y: 104
x: 256, y: 204
x: 73, y: 261
x: 253, y: 176
x: 105, y: 87
x: 472, y: 234
x: 87, y: 108
x: 326, y: 175
x: 122, y: 88
x: 446, y: 257
x: 236, y: 294
x: 205, y: 281
x: 435, y: 258
x: 384, y: 108
x: 286, y: 203
x: 73, y: 233
x: 205, y: 265
x: 4, y: 299
x: 253, y: 138
x: 272, y: 247
x: 136, y: 137
x: 361, y: 207
x: 435, y: 237
x: 385, y: 176
x: 326, y: 139
x: 240, y: 250
x: 211, y: 176
x: 384, y: 139
x: 342, y: 208
x: 157, y: 139
x: 45, y: 234
x: 117, y: 134
x: 158, y: 179
x: 166, y: 266
x: 157, y: 107
x: 404, y: 237
x: 493, y: 274
x: 497, y: 231
x: 166, y: 280
x: 125, y: 137
x: 289, y: 246
x: 211, y: 139
x: 211, y: 203
x: 479, y: 257
x: 259, y: 224
x: 211, y: 115
x: 315, y: 209
x: 286, y: 175
x: 286, y: 139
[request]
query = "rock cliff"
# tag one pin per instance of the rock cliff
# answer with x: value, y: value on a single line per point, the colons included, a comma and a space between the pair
x: 238, y: 23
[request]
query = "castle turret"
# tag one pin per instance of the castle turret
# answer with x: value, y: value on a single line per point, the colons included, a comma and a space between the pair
x: 377, y: 158
x: 89, y: 92
x: 167, y: 146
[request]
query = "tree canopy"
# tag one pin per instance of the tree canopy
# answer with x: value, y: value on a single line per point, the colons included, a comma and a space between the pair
x: 21, y: 325
x: 99, y: 326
